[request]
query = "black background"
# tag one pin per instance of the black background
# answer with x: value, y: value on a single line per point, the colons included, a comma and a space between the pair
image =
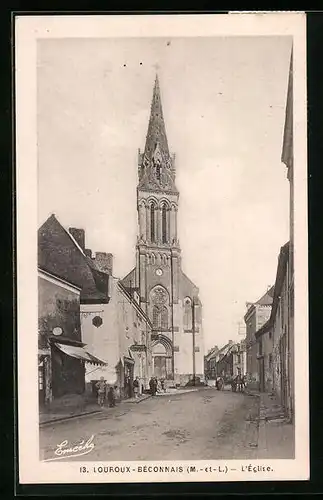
x: 9, y: 486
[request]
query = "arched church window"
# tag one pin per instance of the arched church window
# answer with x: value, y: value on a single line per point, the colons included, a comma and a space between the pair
x: 152, y: 223
x: 156, y: 317
x: 153, y: 259
x: 164, y: 223
x: 187, y: 313
x: 164, y: 318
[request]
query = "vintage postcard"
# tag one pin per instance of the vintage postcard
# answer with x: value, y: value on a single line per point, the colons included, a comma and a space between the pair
x: 162, y: 248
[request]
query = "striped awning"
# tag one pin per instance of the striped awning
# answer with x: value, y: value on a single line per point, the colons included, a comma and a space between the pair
x: 80, y: 353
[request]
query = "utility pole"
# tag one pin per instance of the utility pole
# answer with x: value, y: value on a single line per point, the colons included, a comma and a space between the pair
x: 193, y: 337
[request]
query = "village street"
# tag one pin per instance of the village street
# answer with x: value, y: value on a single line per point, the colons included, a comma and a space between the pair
x: 206, y: 424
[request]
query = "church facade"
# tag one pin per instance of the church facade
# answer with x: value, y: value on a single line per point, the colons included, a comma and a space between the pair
x: 169, y: 298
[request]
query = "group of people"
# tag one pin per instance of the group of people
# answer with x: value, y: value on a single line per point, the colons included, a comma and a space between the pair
x: 156, y: 385
x: 111, y: 393
x: 238, y: 383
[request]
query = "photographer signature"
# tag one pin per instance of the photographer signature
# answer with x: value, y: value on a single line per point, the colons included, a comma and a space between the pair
x: 64, y: 450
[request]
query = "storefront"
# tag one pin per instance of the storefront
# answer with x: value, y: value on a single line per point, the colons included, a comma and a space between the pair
x: 128, y: 375
x: 44, y: 377
x: 61, y: 370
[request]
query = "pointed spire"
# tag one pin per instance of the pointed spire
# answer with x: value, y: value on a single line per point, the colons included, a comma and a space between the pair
x: 156, y: 167
x: 156, y: 134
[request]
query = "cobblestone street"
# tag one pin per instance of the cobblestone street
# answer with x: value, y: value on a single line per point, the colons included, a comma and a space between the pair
x: 206, y: 424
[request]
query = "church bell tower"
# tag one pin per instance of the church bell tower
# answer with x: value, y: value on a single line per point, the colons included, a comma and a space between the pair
x: 169, y: 298
x: 158, y: 251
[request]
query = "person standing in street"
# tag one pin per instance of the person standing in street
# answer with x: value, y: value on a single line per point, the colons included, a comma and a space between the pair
x: 101, y: 387
x: 117, y: 393
x: 136, y: 387
x: 130, y: 388
x: 111, y: 397
x: 152, y: 386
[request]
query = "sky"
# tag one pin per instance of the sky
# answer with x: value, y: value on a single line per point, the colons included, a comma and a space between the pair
x: 224, y: 108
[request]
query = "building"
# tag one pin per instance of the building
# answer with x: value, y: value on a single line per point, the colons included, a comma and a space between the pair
x: 239, y: 359
x: 257, y: 314
x: 110, y: 320
x: 210, y: 361
x: 288, y: 160
x: 61, y: 353
x: 273, y: 339
x: 121, y: 331
x: 168, y: 297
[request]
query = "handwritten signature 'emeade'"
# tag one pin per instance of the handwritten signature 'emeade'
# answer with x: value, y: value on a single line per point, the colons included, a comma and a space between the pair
x: 63, y: 450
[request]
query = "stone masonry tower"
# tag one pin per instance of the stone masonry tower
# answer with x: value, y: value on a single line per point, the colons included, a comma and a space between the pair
x: 166, y: 294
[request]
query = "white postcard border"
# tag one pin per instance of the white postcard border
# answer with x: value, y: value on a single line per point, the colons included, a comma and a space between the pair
x: 30, y: 28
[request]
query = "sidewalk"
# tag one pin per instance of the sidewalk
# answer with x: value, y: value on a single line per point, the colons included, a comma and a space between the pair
x: 80, y: 410
x: 275, y: 434
x: 58, y: 415
x: 172, y: 392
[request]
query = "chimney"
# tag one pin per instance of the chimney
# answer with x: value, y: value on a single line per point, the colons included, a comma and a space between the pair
x: 104, y: 261
x: 230, y: 342
x: 79, y: 236
x: 88, y: 252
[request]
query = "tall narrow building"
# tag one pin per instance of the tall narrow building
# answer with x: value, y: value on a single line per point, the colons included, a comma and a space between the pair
x: 168, y: 296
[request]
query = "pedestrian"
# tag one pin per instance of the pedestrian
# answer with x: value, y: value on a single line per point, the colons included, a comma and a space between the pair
x: 101, y: 387
x: 233, y: 385
x: 219, y: 383
x: 239, y: 382
x: 136, y: 387
x: 111, y: 397
x: 162, y: 384
x: 152, y: 386
x: 116, y: 393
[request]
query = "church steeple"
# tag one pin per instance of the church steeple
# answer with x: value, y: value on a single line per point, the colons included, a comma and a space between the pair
x: 156, y: 165
x: 156, y: 127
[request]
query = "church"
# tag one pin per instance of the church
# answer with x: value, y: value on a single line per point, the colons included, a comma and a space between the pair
x: 168, y: 297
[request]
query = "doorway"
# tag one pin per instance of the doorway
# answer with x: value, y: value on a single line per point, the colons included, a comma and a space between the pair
x: 261, y: 374
x: 128, y: 379
x: 160, y: 367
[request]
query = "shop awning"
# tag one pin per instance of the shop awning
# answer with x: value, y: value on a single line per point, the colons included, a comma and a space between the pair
x: 80, y: 353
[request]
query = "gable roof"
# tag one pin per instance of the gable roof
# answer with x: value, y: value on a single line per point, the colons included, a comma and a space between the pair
x: 267, y: 298
x: 225, y: 350
x: 188, y: 288
x: 280, y: 274
x: 131, y: 299
x: 60, y: 255
x: 129, y: 280
x: 211, y: 353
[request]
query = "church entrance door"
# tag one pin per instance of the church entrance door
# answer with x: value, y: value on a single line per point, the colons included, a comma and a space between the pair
x: 160, y: 367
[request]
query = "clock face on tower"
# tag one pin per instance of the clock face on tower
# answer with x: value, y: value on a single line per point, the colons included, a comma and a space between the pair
x: 159, y: 272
